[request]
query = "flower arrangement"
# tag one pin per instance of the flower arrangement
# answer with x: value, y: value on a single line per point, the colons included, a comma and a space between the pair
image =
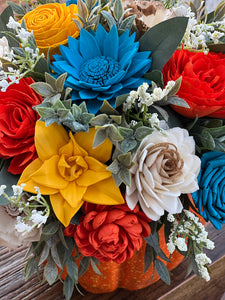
x: 111, y: 136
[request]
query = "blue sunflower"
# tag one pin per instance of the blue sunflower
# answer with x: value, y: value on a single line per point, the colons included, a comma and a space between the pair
x: 101, y: 66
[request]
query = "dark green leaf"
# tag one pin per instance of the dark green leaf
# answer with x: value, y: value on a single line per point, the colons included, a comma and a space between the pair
x: 109, y: 18
x: 149, y: 257
x: 95, y: 268
x: 50, y: 271
x: 155, y: 76
x: 142, y: 132
x: 162, y: 271
x: 7, y: 179
x: 128, y: 144
x: 121, y: 99
x: 19, y: 10
x: 30, y: 268
x: 100, y: 137
x: 55, y: 256
x: 127, y: 23
x: 207, y: 140
x: 44, y: 255
x: 153, y: 241
x: 163, y: 39
x: 84, y: 264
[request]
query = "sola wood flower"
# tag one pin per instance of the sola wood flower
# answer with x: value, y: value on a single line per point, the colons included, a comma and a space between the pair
x: 102, y: 66
x: 51, y: 24
x: 165, y: 166
x: 110, y: 232
x: 70, y: 170
x: 17, y: 124
x: 148, y: 13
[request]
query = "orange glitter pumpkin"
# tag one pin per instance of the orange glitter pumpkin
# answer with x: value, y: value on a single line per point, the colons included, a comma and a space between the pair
x: 128, y: 275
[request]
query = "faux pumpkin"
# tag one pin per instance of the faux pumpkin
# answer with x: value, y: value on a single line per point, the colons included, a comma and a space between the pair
x: 128, y: 275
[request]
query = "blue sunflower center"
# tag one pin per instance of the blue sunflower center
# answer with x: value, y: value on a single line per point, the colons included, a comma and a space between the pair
x: 98, y: 70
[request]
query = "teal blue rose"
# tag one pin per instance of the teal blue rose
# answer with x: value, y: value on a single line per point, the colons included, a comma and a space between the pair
x: 210, y: 198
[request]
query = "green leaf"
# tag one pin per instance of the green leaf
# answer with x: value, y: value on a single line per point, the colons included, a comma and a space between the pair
x: 42, y: 88
x: 60, y: 82
x: 125, y: 159
x: 121, y: 99
x: 162, y: 271
x: 100, y: 120
x: 162, y: 111
x: 114, y: 134
x: 128, y: 144
x: 55, y: 256
x: 18, y: 10
x: 149, y: 257
x: 174, y: 100
x: 106, y: 108
x: 163, y: 39
x: 83, y: 266
x: 95, y: 268
x: 7, y: 179
x: 68, y: 288
x: 118, y: 9
x: 155, y: 76
x: 142, y: 132
x: 50, y: 271
x: 207, y: 140
x: 153, y: 241
x: 44, y: 254
x: 176, y: 87
x: 109, y: 18
x: 126, y: 132
x: 127, y: 23
x: 30, y: 268
x: 50, y: 228
x: 82, y: 10
x: 100, y: 137
x: 72, y: 269
x: 124, y: 175
x: 114, y: 167
x: 219, y: 11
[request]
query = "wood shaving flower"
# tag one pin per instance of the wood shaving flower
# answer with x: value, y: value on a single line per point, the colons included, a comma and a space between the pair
x: 165, y: 166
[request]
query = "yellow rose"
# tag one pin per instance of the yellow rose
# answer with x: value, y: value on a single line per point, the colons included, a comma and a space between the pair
x: 52, y: 24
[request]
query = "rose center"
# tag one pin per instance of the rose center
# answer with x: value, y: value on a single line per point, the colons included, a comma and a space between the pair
x: 98, y: 70
x: 72, y: 168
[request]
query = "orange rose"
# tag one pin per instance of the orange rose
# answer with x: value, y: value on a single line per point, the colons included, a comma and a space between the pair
x: 52, y: 24
x: 110, y: 232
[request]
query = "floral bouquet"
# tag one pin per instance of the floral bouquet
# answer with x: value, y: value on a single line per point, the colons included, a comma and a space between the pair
x: 111, y: 138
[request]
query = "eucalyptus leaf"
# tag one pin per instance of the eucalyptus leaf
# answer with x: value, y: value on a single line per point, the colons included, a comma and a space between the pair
x: 55, y: 256
x: 149, y: 257
x: 83, y: 266
x: 68, y: 288
x: 44, y: 254
x: 153, y: 241
x: 50, y: 228
x: 95, y: 268
x: 163, y: 39
x: 72, y: 269
x: 207, y: 140
x: 162, y: 271
x: 30, y: 268
x: 174, y: 100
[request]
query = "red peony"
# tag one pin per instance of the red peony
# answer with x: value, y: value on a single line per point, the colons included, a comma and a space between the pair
x: 17, y: 123
x: 203, y: 82
x: 110, y: 232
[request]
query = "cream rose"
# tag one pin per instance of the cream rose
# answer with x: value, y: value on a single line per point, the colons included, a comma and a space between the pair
x: 9, y: 236
x: 165, y: 167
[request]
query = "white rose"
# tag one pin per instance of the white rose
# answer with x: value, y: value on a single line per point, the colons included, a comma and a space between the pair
x: 9, y: 236
x: 165, y: 167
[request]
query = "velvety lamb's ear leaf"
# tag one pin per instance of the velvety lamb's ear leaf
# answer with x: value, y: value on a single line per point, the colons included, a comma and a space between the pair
x: 7, y: 179
x: 163, y: 39
x: 118, y: 9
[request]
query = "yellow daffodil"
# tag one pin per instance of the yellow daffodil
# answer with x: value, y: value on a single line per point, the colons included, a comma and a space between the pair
x: 70, y: 171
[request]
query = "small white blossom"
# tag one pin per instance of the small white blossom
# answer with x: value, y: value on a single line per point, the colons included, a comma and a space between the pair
x: 181, y: 244
x: 24, y: 35
x: 12, y: 24
x: 38, y: 218
x: 17, y: 190
x: 22, y: 227
x: 170, y: 218
x: 2, y: 189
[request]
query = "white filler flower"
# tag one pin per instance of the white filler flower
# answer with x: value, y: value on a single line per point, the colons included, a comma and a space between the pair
x: 165, y: 167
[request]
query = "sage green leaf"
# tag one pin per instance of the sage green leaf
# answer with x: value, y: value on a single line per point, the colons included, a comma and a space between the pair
x: 207, y: 140
x: 42, y: 88
x: 68, y: 288
x: 162, y: 111
x: 95, y: 268
x: 60, y: 82
x: 82, y: 10
x: 162, y: 271
x: 125, y: 159
x: 116, y: 119
x: 118, y: 9
x: 219, y: 11
x: 217, y: 132
x: 45, y: 112
x: 121, y: 99
x: 7, y: 179
x: 59, y: 105
x: 156, y: 76
x: 50, y: 271
x: 128, y: 144
x: 163, y: 39
x: 83, y: 266
x: 153, y: 241
x: 128, y: 23
x: 50, y: 80
x: 30, y: 268
x: 142, y: 132
x: 90, y: 4
x: 124, y: 175
x: 50, y: 228
x: 17, y: 9
x: 114, y: 167
x: 210, y: 17
x: 106, y: 108
x: 149, y: 257
x: 126, y: 132
x: 100, y: 120
x: 117, y: 180
x: 100, y: 137
x: 109, y: 18
x: 176, y: 87
x: 44, y: 254
x: 72, y: 269
x: 113, y: 133
x: 174, y: 100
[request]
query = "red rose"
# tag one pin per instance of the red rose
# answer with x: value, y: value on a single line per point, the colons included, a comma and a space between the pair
x: 17, y: 123
x: 111, y: 232
x: 203, y: 82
